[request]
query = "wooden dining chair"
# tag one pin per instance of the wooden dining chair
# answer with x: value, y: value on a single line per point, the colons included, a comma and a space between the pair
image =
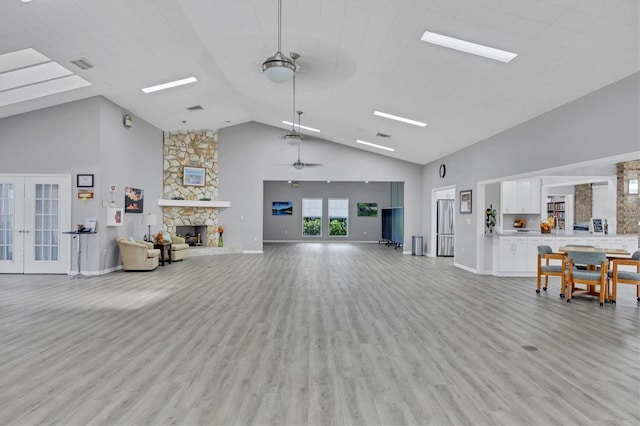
x: 594, y: 275
x: 622, y: 276
x: 550, y: 264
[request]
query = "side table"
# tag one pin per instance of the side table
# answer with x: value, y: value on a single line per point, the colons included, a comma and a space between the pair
x: 165, y: 252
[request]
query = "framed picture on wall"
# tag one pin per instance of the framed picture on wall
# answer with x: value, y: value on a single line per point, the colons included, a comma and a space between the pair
x: 193, y: 176
x: 368, y: 209
x: 114, y: 216
x: 282, y: 208
x: 133, y: 200
x: 84, y: 181
x: 465, y: 201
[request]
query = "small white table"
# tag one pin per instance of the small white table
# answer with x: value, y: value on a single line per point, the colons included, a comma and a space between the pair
x: 78, y: 235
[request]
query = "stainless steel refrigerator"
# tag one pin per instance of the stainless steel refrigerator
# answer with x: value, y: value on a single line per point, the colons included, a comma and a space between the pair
x: 444, y: 232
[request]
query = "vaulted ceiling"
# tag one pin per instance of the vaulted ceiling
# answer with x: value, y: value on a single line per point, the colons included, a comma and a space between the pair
x: 356, y: 56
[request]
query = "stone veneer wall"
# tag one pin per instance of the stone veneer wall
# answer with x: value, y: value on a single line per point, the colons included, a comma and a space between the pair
x: 628, y: 208
x: 195, y: 148
x: 584, y: 208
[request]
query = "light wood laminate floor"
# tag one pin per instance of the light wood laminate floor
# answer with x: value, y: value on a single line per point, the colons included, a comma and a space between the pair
x: 313, y: 334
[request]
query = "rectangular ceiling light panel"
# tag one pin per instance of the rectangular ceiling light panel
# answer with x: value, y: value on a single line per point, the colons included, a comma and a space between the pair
x: 468, y: 47
x: 169, y: 85
x: 311, y: 129
x: 398, y: 118
x: 386, y: 148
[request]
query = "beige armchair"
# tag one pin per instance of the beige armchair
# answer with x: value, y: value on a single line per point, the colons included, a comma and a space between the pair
x: 138, y: 255
x: 179, y: 248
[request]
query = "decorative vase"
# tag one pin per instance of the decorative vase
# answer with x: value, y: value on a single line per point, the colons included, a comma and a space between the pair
x: 220, y: 243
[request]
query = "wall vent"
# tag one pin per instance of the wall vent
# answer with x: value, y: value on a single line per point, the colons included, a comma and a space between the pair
x: 82, y: 63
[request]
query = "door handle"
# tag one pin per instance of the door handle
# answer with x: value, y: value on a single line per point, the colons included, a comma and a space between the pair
x: 19, y: 231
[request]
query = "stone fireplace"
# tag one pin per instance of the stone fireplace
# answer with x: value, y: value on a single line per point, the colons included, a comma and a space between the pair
x: 192, y: 207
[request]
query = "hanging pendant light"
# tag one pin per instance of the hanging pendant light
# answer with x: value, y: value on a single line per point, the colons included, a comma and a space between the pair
x: 294, y: 137
x: 278, y: 67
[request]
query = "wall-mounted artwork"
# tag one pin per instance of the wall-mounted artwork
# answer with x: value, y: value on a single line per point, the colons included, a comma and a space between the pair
x: 133, y: 200
x: 368, y: 209
x: 114, y: 216
x: 465, y: 201
x: 282, y: 208
x: 193, y: 176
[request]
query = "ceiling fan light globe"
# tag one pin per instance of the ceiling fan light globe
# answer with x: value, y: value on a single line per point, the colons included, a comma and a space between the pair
x: 278, y: 68
x: 293, y: 137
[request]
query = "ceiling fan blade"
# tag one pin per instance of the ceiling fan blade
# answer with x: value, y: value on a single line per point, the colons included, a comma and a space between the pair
x: 313, y: 164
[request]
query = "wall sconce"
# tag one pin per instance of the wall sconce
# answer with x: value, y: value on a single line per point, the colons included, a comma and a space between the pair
x: 633, y: 186
x: 127, y: 120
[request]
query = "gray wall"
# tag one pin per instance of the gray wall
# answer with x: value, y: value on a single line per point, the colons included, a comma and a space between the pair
x: 289, y: 228
x: 600, y: 125
x: 87, y: 136
x: 250, y: 154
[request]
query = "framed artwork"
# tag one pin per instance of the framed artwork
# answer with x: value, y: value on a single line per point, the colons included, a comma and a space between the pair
x: 368, y: 209
x: 282, y: 208
x: 133, y: 200
x: 465, y: 201
x: 193, y: 176
x: 114, y: 216
x: 84, y: 181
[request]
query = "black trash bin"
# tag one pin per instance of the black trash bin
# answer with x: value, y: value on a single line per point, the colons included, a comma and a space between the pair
x: 417, y: 245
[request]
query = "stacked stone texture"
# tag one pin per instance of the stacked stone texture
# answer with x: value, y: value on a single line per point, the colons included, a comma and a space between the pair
x: 195, y: 148
x: 628, y: 208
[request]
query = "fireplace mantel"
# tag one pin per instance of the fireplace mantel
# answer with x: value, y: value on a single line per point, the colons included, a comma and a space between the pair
x: 193, y: 203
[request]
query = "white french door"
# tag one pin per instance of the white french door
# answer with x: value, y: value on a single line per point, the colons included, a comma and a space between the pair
x: 34, y: 211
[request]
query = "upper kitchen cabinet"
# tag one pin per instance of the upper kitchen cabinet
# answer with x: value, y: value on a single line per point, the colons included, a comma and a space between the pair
x: 520, y: 196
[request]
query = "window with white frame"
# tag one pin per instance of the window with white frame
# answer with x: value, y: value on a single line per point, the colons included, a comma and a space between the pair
x: 312, y: 217
x: 338, y: 217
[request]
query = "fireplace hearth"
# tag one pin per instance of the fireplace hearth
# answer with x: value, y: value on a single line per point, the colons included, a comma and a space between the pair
x: 193, y: 235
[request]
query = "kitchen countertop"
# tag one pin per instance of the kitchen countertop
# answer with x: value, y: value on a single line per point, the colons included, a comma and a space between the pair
x: 559, y: 233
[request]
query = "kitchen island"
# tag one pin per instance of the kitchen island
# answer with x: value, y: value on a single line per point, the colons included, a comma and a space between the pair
x: 515, y: 253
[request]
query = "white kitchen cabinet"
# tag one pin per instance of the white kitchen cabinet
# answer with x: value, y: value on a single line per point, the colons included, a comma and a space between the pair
x: 521, y: 196
x: 513, y: 254
x: 509, y: 196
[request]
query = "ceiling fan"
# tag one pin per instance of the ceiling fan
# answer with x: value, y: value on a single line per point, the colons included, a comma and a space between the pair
x: 294, y: 137
x: 299, y: 165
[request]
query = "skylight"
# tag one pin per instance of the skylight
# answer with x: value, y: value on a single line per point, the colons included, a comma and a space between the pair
x: 386, y: 148
x: 398, y: 118
x: 169, y: 85
x: 468, y: 47
x: 28, y: 74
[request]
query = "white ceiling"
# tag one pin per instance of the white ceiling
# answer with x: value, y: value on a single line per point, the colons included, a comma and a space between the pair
x: 356, y: 56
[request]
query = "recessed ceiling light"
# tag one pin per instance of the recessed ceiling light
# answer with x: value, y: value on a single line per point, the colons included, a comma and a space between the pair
x: 311, y: 129
x: 375, y: 146
x: 468, y: 47
x: 169, y: 85
x: 398, y: 118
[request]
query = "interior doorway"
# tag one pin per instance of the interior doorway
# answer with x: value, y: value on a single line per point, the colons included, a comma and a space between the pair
x: 34, y: 211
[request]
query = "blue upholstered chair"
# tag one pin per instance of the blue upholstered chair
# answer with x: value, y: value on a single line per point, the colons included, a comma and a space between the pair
x: 617, y: 276
x: 595, y: 274
x: 550, y: 264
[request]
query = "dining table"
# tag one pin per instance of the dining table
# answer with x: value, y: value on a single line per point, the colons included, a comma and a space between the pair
x: 611, y: 253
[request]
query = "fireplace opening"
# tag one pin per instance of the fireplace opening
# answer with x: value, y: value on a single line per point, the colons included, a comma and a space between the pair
x: 193, y: 235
